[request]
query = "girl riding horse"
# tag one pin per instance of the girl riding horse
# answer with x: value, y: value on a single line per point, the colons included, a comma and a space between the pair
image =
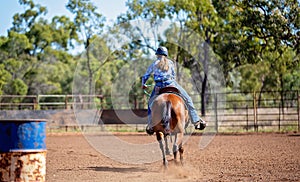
x: 163, y: 70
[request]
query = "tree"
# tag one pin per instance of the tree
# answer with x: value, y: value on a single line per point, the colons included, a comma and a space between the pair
x: 88, y: 23
x: 35, y: 50
x: 4, y: 78
x: 201, y: 18
x: 254, y: 28
x: 24, y: 21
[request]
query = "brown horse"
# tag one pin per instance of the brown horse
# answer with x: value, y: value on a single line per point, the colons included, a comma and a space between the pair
x: 169, y: 116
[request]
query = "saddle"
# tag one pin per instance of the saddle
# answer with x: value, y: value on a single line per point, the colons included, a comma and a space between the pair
x: 172, y: 90
x: 169, y: 89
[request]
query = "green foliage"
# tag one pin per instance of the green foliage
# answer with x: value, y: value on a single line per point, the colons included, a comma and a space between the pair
x: 17, y: 87
x: 15, y: 45
x: 273, y: 74
x: 87, y: 20
x: 4, y: 78
x: 256, y: 42
x: 22, y: 22
x: 89, y: 23
x: 292, y: 80
x: 63, y: 32
x: 253, y: 76
x: 34, y: 53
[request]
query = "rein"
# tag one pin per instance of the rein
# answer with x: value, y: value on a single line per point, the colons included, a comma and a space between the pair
x: 145, y: 91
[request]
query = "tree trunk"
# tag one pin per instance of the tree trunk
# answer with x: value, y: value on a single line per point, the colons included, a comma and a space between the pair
x: 205, y: 77
x: 90, y: 72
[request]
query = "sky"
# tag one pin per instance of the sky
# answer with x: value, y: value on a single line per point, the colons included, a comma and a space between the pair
x: 108, y: 8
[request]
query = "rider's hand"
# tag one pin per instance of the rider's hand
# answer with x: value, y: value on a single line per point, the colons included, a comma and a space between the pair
x: 144, y: 86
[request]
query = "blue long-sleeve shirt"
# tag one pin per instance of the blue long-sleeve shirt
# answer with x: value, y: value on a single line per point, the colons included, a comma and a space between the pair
x: 158, y: 74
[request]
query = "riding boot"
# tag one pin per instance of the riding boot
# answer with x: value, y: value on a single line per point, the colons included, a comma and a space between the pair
x: 149, y: 129
x: 200, y: 125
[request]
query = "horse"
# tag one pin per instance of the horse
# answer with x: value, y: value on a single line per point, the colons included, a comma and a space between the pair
x: 169, y: 117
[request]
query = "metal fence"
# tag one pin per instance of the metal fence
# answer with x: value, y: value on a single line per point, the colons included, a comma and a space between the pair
x: 265, y: 111
x: 48, y: 102
x: 234, y: 111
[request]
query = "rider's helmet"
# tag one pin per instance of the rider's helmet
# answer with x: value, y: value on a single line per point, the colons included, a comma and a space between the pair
x: 162, y: 51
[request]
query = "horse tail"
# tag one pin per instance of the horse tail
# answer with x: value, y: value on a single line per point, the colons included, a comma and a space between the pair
x: 166, y: 115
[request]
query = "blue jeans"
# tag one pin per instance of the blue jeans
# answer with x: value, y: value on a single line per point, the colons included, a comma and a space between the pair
x: 188, y: 101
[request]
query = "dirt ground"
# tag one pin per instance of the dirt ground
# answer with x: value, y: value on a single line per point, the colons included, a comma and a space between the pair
x: 240, y: 157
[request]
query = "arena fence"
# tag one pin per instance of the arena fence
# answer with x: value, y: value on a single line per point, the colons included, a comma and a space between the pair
x: 234, y: 111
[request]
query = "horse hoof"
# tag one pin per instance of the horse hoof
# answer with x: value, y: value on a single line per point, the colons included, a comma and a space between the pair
x: 165, y: 161
x: 168, y: 152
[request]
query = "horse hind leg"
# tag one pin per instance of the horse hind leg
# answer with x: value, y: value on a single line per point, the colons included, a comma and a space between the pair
x: 159, y: 137
x: 175, y: 151
x: 167, y: 145
x: 181, y: 154
x: 177, y: 147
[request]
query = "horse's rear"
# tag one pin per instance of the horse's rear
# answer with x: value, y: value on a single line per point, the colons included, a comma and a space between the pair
x: 169, y: 116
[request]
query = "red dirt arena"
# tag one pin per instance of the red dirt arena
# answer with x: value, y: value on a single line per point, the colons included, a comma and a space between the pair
x: 234, y: 157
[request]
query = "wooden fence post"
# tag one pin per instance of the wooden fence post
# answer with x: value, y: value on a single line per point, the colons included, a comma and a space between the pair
x: 255, y: 111
x: 216, y: 113
x: 66, y: 102
x: 298, y: 111
x: 35, y: 103
x: 247, y: 118
x: 279, y: 116
x: 38, y: 101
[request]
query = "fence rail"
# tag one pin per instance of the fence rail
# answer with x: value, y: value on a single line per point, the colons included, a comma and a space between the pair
x: 235, y: 111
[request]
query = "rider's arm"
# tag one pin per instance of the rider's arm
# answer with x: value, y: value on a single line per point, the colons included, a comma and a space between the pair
x: 146, y: 76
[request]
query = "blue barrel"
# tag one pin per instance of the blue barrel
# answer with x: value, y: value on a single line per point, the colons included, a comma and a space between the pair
x: 23, y: 150
x: 22, y: 135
